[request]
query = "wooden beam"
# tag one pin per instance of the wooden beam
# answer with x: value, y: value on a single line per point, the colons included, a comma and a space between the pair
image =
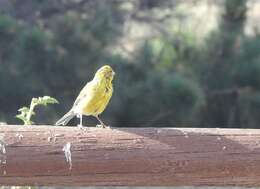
x: 48, y: 155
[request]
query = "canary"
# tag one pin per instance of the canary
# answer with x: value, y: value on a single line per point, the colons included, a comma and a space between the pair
x: 93, y: 98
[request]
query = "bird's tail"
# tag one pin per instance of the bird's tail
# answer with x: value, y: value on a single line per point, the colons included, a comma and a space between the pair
x: 66, y: 118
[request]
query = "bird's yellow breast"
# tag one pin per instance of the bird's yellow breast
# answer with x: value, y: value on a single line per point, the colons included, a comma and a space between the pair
x: 94, y: 98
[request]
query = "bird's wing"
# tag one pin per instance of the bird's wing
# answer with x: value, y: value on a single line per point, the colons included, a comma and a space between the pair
x: 83, y: 94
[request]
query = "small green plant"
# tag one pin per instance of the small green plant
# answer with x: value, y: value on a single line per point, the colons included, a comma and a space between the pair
x: 26, y: 113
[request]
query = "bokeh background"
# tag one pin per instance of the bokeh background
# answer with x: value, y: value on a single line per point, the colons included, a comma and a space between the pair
x: 178, y: 63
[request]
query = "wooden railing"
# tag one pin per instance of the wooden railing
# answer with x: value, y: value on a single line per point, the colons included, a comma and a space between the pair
x: 48, y: 155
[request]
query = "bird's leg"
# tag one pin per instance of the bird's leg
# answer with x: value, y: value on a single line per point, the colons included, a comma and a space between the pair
x: 80, y: 120
x: 101, y: 122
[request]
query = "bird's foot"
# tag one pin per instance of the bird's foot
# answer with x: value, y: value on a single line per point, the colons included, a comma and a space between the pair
x: 102, y: 126
x: 80, y: 126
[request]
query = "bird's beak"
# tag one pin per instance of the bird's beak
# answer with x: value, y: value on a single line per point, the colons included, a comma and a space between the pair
x: 113, y: 73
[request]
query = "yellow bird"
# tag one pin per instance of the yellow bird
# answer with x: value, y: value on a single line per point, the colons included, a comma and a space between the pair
x: 93, y: 98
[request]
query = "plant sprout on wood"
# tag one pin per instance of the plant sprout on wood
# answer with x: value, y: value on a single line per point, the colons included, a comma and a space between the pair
x: 27, y: 112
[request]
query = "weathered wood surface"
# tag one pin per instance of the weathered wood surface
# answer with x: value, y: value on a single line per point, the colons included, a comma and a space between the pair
x: 35, y: 155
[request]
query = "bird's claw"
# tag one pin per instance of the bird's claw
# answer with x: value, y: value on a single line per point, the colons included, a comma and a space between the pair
x: 80, y: 126
x: 102, y: 126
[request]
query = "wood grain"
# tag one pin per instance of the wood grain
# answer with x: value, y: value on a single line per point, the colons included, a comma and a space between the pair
x: 34, y: 155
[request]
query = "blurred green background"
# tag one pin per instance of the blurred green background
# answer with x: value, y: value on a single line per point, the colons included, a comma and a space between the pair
x: 178, y: 63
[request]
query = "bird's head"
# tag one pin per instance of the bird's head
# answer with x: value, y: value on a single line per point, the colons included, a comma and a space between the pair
x: 105, y: 72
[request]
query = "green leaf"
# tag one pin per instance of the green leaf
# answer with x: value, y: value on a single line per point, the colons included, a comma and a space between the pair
x: 24, y: 109
x: 35, y: 100
x: 47, y: 100
x: 22, y: 117
x: 50, y: 100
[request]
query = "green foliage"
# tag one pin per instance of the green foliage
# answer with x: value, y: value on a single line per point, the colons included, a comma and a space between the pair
x: 26, y: 113
x: 174, y: 78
